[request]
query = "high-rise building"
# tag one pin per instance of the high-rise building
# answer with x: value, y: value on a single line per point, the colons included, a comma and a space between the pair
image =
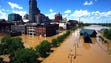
x: 33, y: 10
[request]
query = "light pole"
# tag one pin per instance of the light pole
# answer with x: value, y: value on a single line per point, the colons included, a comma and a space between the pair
x: 71, y: 55
x: 75, y: 50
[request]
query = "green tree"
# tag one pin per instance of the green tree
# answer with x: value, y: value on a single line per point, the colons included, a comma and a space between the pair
x: 9, y: 45
x: 54, y: 42
x: 24, y: 56
x: 43, y: 48
x: 59, y: 39
x: 107, y: 33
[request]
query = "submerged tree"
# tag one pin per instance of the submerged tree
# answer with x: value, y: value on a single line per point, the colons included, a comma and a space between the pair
x: 9, y: 45
x: 54, y: 42
x: 24, y: 56
x: 43, y: 48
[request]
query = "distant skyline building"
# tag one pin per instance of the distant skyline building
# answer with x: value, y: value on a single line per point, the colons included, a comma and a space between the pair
x: 14, y: 17
x: 41, y: 18
x: 26, y: 16
x: 58, y: 17
x: 33, y: 10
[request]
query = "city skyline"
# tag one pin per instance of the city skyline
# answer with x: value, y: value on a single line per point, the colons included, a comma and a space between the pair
x: 91, y: 11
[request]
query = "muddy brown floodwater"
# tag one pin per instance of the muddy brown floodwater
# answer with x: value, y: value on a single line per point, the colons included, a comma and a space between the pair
x: 94, y: 52
x: 32, y: 41
x: 73, y: 50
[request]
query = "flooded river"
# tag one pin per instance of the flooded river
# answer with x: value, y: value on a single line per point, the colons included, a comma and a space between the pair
x: 97, y: 27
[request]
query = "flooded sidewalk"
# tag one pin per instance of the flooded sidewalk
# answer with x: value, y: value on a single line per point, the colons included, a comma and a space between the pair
x: 83, y: 53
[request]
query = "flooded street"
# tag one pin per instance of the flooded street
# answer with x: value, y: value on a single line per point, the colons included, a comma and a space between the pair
x: 31, y: 41
x: 76, y: 51
x: 73, y: 49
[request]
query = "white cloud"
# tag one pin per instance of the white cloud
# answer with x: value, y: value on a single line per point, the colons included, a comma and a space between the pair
x: 3, y: 15
x: 80, y: 13
x: 3, y: 9
x: 88, y: 3
x: 65, y: 16
x: 14, y: 5
x: 102, y: 14
x: 67, y: 11
x: 90, y: 17
x: 51, y: 15
x: 51, y: 10
x: 22, y: 13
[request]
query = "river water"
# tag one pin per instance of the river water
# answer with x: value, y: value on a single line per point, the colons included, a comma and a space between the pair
x: 97, y: 27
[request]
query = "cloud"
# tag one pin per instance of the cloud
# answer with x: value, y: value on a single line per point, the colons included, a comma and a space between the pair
x: 51, y: 10
x: 80, y: 13
x: 85, y: 16
x: 3, y: 15
x: 14, y: 5
x: 22, y: 13
x: 65, y: 16
x: 88, y: 3
x: 3, y: 9
x: 90, y: 17
x: 51, y: 15
x: 101, y: 14
x: 67, y: 11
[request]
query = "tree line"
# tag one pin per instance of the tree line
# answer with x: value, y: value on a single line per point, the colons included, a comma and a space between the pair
x: 107, y: 33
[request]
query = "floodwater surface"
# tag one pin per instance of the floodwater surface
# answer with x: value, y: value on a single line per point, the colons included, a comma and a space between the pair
x: 74, y: 50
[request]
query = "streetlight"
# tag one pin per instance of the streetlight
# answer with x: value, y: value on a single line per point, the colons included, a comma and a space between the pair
x: 71, y: 55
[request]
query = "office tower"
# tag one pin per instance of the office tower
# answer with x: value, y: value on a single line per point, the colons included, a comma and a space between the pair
x: 33, y: 10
